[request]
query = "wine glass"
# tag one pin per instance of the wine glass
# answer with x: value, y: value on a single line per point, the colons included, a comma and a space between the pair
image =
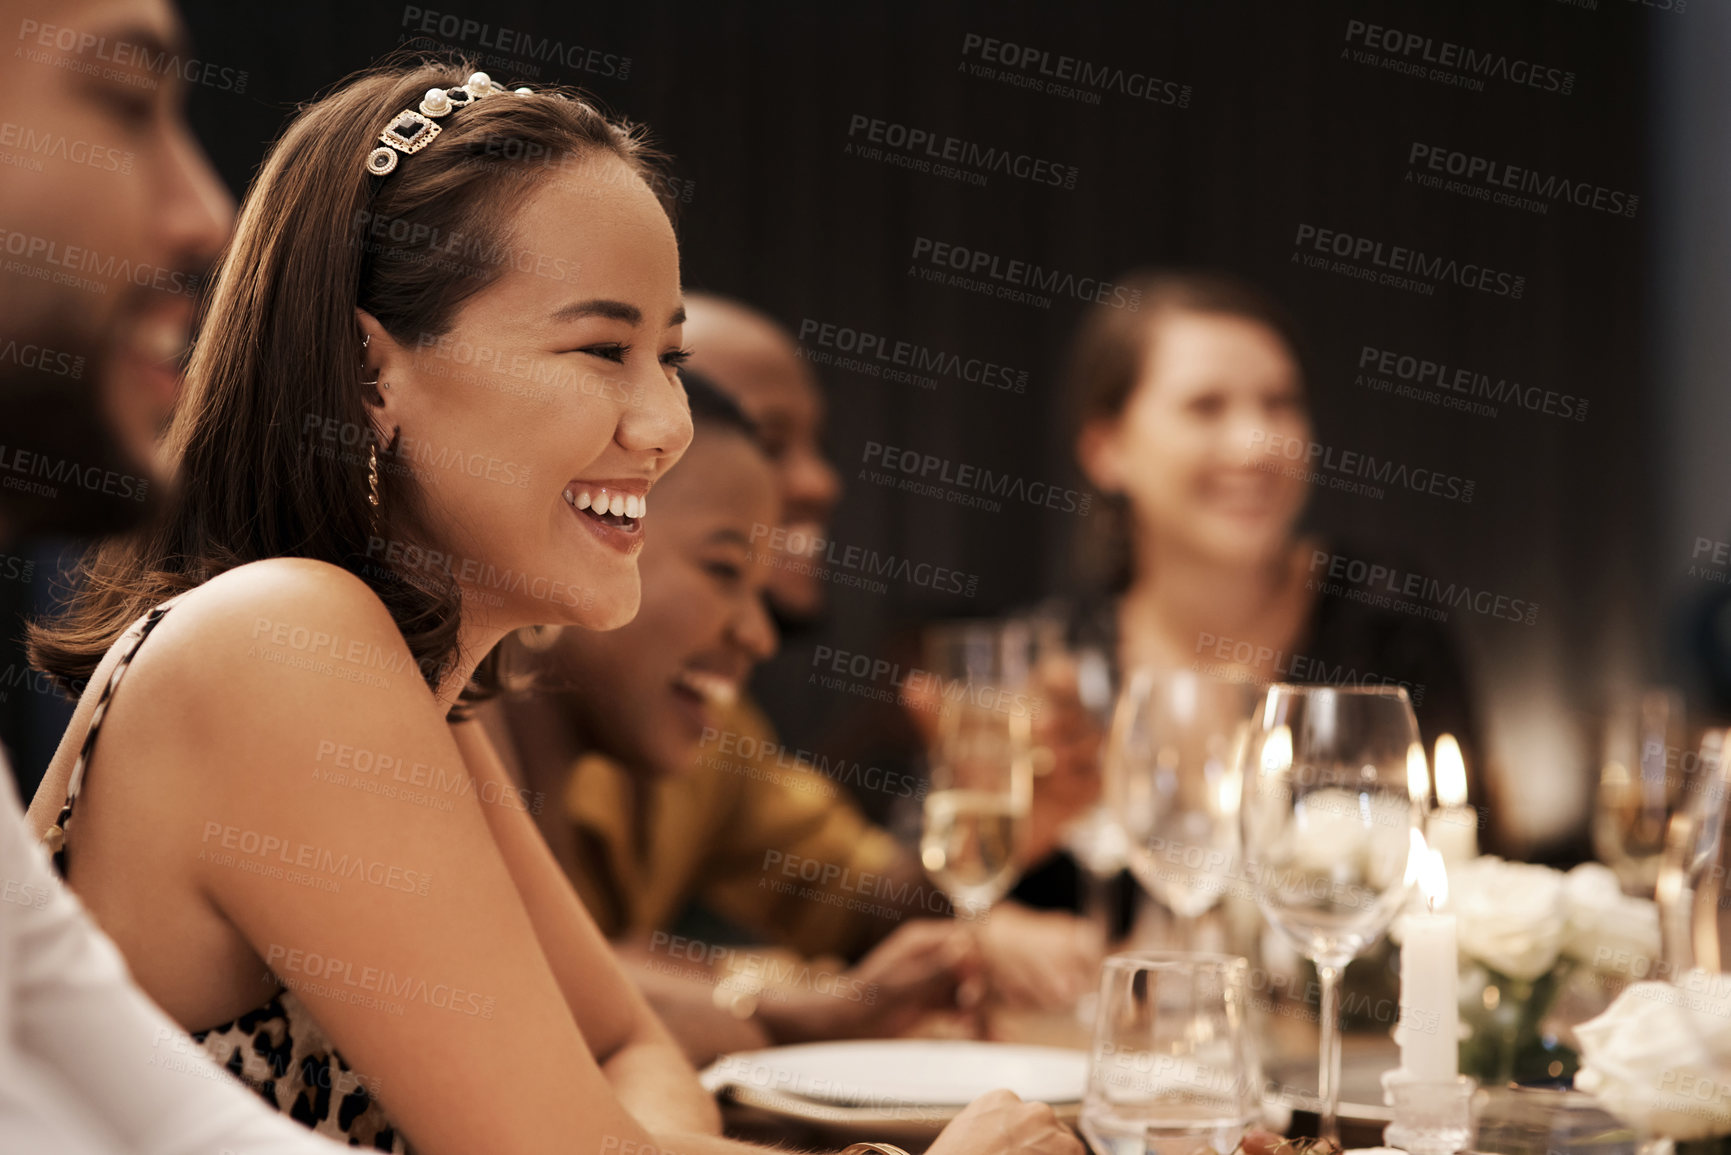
x: 1329, y: 810
x: 1691, y: 876
x: 981, y: 775
x: 1173, y: 1069
x: 1172, y: 778
x: 1640, y: 786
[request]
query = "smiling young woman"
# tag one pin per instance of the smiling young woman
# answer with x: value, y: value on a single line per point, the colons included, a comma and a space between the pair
x: 450, y: 313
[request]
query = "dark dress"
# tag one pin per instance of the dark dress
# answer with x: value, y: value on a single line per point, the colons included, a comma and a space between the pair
x: 1352, y: 637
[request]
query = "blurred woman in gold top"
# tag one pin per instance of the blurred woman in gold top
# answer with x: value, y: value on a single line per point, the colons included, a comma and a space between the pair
x: 659, y: 787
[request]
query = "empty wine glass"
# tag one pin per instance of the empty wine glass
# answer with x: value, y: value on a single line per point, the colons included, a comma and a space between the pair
x: 1640, y: 785
x: 1174, y: 1069
x: 1330, y: 806
x: 1172, y: 778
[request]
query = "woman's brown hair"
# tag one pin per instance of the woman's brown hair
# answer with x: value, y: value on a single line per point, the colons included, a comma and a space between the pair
x: 1106, y: 363
x: 272, y: 433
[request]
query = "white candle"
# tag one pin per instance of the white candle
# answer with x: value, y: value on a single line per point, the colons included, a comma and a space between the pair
x: 1429, y: 1031
x: 1453, y: 827
x: 1454, y: 831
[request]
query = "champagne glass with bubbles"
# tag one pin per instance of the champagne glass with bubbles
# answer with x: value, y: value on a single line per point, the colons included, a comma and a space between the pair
x: 1334, y: 779
x: 981, y: 786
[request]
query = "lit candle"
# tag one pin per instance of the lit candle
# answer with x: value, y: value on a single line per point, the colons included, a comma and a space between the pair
x: 1429, y: 1031
x: 1453, y: 827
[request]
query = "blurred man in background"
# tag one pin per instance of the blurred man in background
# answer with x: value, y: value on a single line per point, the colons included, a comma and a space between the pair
x: 757, y: 363
x: 109, y: 215
x: 106, y: 207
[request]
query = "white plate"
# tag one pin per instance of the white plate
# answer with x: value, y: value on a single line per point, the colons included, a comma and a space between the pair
x: 905, y: 1072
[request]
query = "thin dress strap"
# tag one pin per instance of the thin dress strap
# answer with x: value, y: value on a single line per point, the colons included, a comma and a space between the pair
x: 55, y: 837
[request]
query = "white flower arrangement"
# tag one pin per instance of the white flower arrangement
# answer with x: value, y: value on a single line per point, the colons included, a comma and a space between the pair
x: 1659, y: 1058
x: 1519, y: 919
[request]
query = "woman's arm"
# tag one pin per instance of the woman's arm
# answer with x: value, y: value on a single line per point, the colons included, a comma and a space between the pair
x: 393, y: 916
x: 109, y: 1054
x: 644, y: 1064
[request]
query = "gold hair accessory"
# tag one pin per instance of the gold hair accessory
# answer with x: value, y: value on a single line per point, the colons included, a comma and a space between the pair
x: 413, y: 129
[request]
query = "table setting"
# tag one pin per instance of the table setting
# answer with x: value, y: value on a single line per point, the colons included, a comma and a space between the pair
x: 1281, y: 832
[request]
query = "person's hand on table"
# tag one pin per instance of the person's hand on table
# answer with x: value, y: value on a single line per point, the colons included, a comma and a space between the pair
x: 1044, y: 959
x: 999, y: 1123
x: 915, y: 970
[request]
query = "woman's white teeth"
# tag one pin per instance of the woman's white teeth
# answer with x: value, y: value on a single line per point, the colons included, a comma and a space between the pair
x: 605, y: 504
x: 710, y: 687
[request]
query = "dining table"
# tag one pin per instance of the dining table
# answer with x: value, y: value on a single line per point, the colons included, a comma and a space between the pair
x: 1287, y: 1032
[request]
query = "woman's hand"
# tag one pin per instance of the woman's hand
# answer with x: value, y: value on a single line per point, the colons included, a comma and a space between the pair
x: 913, y: 972
x: 1045, y: 959
x: 1067, y: 742
x: 999, y: 1123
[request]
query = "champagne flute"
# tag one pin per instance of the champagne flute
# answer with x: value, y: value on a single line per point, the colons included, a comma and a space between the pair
x: 1334, y: 786
x: 1692, y: 872
x: 981, y: 766
x: 1173, y: 781
x: 1640, y: 786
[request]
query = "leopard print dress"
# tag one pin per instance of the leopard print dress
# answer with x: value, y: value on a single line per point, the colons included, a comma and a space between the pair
x: 278, y: 1050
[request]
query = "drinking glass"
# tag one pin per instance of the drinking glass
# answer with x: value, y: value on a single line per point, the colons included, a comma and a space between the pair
x: 1172, y: 778
x: 1174, y: 1069
x: 981, y: 783
x: 1690, y: 888
x: 1331, y: 804
x: 1640, y: 786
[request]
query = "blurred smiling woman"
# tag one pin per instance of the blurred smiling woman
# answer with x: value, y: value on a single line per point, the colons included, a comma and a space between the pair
x: 433, y: 387
x: 1187, y: 408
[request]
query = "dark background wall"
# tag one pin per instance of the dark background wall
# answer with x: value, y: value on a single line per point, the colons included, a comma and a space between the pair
x: 1269, y: 115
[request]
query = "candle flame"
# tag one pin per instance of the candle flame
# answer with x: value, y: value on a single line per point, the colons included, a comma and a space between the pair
x: 1433, y: 879
x: 1451, y: 772
x: 1417, y: 775
x: 1415, y: 852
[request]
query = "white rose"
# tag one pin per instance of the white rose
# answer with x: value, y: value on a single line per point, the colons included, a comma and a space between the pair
x: 1607, y: 929
x: 1659, y: 1058
x: 1510, y: 915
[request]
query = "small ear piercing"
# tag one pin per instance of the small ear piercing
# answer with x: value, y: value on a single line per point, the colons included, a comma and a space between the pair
x: 366, y: 341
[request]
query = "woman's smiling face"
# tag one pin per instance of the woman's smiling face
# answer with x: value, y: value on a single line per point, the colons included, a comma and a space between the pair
x: 1195, y: 447
x: 554, y: 388
x: 646, y: 693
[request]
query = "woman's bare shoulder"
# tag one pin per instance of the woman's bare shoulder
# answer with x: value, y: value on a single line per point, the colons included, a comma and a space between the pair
x: 283, y: 634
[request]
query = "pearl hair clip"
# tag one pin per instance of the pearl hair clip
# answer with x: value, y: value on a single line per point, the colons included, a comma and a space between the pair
x: 410, y: 130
